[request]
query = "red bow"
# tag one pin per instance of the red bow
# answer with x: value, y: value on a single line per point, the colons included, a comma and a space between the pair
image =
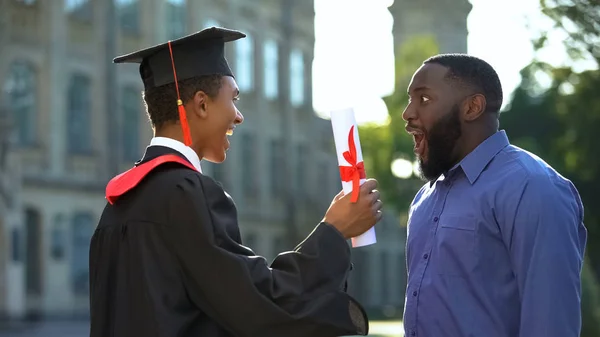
x: 356, y: 171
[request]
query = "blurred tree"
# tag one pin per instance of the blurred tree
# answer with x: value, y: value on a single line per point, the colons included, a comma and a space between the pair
x: 559, y: 122
x: 590, y: 303
x: 559, y: 125
x: 382, y: 144
x: 580, y: 19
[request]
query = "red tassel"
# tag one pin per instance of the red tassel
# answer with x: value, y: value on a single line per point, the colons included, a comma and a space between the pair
x: 187, y: 137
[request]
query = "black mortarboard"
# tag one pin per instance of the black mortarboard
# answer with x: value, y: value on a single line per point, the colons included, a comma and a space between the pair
x: 198, y: 54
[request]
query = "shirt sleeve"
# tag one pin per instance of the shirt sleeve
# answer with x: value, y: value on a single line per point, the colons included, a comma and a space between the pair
x: 300, y: 294
x: 546, y: 242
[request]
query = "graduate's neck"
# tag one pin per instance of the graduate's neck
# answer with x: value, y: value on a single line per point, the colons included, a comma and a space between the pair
x: 174, y: 131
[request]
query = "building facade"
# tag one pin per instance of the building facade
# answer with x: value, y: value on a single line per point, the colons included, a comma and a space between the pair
x: 77, y: 119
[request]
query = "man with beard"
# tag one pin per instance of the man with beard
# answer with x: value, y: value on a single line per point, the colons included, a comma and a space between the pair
x: 496, y: 236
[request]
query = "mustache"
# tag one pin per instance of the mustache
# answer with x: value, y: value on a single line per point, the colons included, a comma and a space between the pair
x: 411, y: 129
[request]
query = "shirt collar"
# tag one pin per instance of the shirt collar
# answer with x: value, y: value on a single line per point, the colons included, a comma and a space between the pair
x: 476, y: 161
x: 178, y: 146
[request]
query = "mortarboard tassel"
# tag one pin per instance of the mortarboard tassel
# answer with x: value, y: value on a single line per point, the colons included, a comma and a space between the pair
x: 187, y: 137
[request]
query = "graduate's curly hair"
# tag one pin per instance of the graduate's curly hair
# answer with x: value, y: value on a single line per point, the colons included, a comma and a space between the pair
x: 161, y: 102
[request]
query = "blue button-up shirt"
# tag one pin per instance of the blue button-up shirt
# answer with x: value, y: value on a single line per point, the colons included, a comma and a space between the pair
x: 495, y: 249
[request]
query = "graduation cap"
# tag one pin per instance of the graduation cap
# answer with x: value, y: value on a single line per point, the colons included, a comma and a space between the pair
x: 198, y: 54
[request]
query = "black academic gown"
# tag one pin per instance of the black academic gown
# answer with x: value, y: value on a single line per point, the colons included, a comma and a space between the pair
x: 166, y: 260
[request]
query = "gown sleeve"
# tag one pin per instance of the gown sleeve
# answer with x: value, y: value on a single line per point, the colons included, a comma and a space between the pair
x: 300, y: 294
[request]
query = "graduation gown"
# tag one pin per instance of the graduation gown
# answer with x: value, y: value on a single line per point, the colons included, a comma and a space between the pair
x: 167, y: 260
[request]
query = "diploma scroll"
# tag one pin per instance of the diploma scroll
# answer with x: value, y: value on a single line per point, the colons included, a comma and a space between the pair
x: 352, y: 169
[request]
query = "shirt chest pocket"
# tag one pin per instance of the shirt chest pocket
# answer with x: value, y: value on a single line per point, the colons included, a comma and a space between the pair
x: 455, y: 245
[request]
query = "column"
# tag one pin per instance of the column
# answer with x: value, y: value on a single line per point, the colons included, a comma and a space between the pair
x: 58, y: 79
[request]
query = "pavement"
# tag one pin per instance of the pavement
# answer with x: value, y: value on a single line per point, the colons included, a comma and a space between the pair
x: 82, y: 329
x: 46, y: 329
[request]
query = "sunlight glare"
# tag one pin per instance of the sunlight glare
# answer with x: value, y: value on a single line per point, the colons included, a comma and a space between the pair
x: 402, y: 168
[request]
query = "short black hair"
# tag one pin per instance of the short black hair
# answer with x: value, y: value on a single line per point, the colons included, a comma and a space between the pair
x: 161, y: 102
x: 475, y: 74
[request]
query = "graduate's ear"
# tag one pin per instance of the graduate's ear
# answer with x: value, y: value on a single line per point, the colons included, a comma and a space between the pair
x: 201, y: 104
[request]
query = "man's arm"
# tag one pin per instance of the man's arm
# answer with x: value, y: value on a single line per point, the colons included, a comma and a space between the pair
x: 546, y: 242
x: 300, y: 294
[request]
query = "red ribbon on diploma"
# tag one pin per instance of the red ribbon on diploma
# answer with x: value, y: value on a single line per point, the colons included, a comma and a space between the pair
x: 356, y: 171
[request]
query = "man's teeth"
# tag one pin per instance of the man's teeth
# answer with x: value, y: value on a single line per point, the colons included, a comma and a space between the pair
x: 229, y: 132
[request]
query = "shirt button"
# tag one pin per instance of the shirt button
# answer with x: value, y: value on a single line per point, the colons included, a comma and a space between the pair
x: 414, y: 293
x: 425, y: 256
x: 435, y: 219
x: 413, y: 333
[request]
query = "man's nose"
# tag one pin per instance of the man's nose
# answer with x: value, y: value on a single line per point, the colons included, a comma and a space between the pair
x: 239, y: 118
x: 408, y: 113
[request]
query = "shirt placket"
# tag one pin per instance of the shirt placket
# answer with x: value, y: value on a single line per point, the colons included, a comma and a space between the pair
x: 442, y: 189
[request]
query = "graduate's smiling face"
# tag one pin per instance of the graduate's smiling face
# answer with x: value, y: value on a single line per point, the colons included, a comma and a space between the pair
x: 218, y: 117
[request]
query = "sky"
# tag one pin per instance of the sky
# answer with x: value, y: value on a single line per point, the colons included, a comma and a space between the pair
x: 500, y: 32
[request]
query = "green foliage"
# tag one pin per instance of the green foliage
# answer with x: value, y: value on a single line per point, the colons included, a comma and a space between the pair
x: 561, y: 128
x: 381, y: 144
x: 580, y: 19
x: 590, y: 303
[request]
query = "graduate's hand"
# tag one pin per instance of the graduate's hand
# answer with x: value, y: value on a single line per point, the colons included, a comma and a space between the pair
x: 353, y: 219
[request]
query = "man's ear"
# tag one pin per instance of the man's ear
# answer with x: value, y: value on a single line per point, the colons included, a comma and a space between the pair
x: 200, y: 102
x: 473, y: 107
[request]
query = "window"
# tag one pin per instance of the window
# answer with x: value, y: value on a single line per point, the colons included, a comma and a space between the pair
x: 301, y: 167
x: 276, y: 159
x: 271, y: 63
x: 130, y: 132
x: 176, y: 19
x: 80, y: 9
x: 57, y: 239
x: 323, y: 182
x: 21, y: 86
x: 384, y: 280
x: 75, y: 5
x: 296, y: 78
x: 27, y: 2
x: 249, y: 171
x: 33, y: 252
x: 245, y: 63
x: 16, y: 245
x: 220, y: 174
x: 250, y: 240
x: 359, y: 285
x: 211, y: 23
x: 79, y: 115
x: 82, y: 228
x: 128, y: 14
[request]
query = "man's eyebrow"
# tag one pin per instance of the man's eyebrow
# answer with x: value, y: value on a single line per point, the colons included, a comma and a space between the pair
x: 419, y: 88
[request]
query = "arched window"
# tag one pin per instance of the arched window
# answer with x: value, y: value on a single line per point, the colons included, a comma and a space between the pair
x: 21, y: 88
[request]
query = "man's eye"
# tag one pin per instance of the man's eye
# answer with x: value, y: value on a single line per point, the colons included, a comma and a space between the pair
x: 424, y: 99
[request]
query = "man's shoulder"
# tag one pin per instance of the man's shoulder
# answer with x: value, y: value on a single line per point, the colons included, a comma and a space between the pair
x: 530, y: 169
x: 530, y: 177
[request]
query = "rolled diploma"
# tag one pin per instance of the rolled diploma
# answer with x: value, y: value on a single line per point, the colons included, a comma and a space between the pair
x: 342, y: 121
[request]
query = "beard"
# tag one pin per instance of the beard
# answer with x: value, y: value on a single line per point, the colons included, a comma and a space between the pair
x: 441, y: 142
